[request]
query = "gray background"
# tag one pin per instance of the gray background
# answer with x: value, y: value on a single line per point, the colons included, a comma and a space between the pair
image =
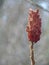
x: 14, y: 45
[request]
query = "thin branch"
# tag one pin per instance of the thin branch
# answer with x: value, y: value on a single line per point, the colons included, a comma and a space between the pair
x: 32, y: 54
x: 37, y: 5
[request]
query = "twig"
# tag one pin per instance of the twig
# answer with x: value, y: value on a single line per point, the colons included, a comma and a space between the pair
x: 37, y: 5
x: 32, y: 54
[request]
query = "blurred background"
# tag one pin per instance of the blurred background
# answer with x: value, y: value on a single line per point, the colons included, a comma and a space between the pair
x: 14, y: 45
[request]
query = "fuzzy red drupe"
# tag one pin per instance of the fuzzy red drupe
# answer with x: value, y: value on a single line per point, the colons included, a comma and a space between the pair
x: 34, y: 26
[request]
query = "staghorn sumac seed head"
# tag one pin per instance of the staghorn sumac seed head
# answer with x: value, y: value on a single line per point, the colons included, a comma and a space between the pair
x: 34, y: 26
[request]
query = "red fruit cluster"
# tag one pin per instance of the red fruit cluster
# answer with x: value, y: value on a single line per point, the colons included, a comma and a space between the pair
x: 34, y: 26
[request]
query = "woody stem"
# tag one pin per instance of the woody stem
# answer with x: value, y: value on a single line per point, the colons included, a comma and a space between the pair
x: 32, y: 54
